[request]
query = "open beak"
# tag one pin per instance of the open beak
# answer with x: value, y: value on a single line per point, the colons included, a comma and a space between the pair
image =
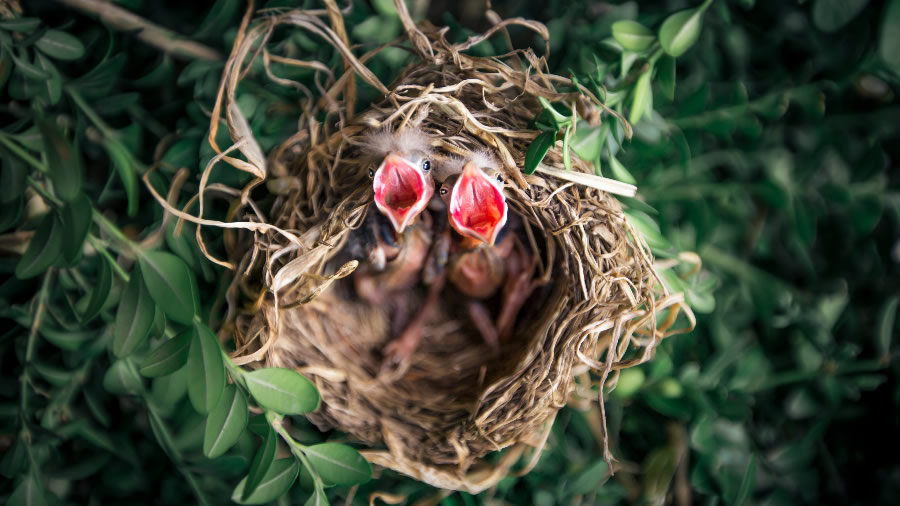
x: 477, y: 206
x: 401, y: 191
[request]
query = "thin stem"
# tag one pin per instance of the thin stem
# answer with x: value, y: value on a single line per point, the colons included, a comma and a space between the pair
x: 91, y: 114
x: 296, y: 447
x: 155, y: 35
x: 101, y: 248
x: 30, y: 344
x: 110, y: 227
x: 21, y: 153
x: 53, y: 201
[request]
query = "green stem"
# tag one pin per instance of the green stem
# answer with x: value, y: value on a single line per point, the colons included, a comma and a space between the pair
x: 25, y: 380
x: 21, y: 153
x: 113, y: 230
x: 91, y: 114
x: 296, y: 447
x: 53, y: 201
x: 101, y: 248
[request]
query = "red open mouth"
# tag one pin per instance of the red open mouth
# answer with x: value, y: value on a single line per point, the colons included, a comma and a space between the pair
x: 401, y: 191
x: 477, y: 207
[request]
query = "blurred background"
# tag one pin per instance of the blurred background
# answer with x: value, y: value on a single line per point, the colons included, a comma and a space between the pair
x: 775, y: 160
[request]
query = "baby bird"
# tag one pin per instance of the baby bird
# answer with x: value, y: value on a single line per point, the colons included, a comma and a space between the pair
x: 395, y: 242
x: 402, y: 182
x: 485, y: 256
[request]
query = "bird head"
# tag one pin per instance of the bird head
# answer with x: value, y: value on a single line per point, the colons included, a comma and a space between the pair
x: 402, y: 181
x: 476, y: 205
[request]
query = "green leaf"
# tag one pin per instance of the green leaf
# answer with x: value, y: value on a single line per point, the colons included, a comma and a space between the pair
x: 159, y: 75
x: 53, y: 85
x: 123, y: 163
x: 642, y: 100
x: 65, y: 340
x: 13, y: 176
x: 649, y: 229
x: 283, y: 391
x: 28, y: 70
x: 620, y: 172
x: 262, y: 461
x: 318, y: 498
x: 43, y: 250
x: 632, y: 35
x: 169, y: 356
x: 886, y: 317
x: 13, y: 460
x: 20, y: 25
x: 169, y: 389
x: 832, y: 15
x: 591, y: 478
x: 681, y: 30
x: 339, y: 464
x: 567, y: 154
x: 28, y: 493
x: 889, y: 43
x: 218, y: 18
x: 589, y: 141
x: 206, y: 380
x: 134, y: 317
x: 60, y: 45
x: 63, y: 161
x: 538, y: 150
x: 76, y: 220
x: 273, y: 485
x: 225, y: 423
x: 665, y: 76
x: 100, y: 291
x: 171, y: 283
x: 122, y: 379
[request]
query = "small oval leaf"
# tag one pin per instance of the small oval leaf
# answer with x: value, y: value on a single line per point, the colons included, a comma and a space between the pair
x: 76, y: 220
x: 680, y: 31
x: 339, y: 464
x: 632, y: 35
x: 63, y: 161
x: 134, y: 317
x: 171, y: 283
x: 225, y: 423
x: 832, y: 15
x: 43, y: 250
x: 665, y: 75
x: 275, y: 483
x: 889, y: 41
x: 121, y: 160
x: 206, y: 371
x: 60, y: 45
x: 537, y: 150
x: 282, y: 390
x: 169, y: 356
x: 100, y: 291
x: 122, y: 379
x: 262, y: 461
x: 642, y: 101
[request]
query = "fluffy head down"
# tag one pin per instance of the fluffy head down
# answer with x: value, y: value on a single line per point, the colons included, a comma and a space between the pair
x: 409, y: 140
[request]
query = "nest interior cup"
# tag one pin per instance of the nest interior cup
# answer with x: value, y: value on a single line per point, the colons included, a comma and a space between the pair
x: 440, y: 416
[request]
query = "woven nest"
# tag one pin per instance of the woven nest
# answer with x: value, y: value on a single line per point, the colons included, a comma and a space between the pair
x: 598, y: 304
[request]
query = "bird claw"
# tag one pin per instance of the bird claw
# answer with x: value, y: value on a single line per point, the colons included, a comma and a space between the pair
x: 399, y: 350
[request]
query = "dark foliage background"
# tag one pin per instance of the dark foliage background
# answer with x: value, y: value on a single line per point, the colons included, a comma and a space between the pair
x: 775, y: 161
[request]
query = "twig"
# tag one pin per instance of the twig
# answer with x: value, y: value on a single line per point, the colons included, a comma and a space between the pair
x: 155, y: 35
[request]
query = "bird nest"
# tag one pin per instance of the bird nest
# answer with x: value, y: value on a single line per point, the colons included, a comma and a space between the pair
x: 439, y: 416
